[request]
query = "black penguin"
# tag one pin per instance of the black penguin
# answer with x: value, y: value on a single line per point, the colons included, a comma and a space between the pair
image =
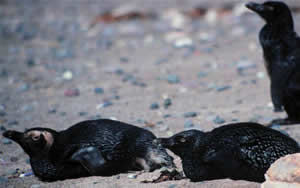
x: 89, y: 148
x: 241, y: 151
x: 281, y: 51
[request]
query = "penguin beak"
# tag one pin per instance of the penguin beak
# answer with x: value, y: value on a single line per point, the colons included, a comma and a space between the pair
x: 13, y: 135
x: 255, y: 7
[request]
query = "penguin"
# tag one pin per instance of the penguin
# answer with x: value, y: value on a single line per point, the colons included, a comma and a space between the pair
x: 281, y: 52
x: 90, y: 148
x: 240, y: 151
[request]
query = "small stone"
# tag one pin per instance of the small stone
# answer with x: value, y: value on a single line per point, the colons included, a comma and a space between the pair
x: 104, y: 105
x: 12, y: 123
x: 6, y: 141
x: 2, y: 107
x: 72, y: 92
x: 284, y: 173
x: 173, y: 79
x: 23, y: 88
x: 260, y: 75
x: 164, y: 127
x: 52, y: 111
x: 82, y: 113
x: 202, y: 74
x: 63, y: 113
x: 35, y: 186
x: 14, y: 159
x: 12, y: 172
x: 219, y: 120
x: 172, y: 186
x: 166, y: 116
x: 30, y: 62
x: 190, y: 114
x: 67, y: 75
x: 183, y: 42
x: 99, y: 90
x: 132, y: 176
x: 27, y: 108
x: 124, y: 60
x: 188, y: 124
x: 154, y: 106
x: 244, y: 65
x: 3, y: 180
x: 2, y: 113
x: 222, y: 88
x: 167, y: 103
x: 2, y: 128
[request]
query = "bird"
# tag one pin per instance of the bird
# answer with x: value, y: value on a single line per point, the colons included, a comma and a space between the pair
x: 281, y: 52
x: 239, y: 151
x: 100, y: 147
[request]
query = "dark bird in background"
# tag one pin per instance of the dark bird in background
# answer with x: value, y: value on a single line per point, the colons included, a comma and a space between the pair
x: 241, y: 151
x: 90, y: 148
x: 281, y: 51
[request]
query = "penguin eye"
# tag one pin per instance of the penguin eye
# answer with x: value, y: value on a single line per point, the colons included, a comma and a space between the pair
x: 35, y: 138
x: 182, y: 140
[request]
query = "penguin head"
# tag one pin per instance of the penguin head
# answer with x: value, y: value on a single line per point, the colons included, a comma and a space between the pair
x: 182, y: 142
x: 272, y: 11
x: 36, y: 142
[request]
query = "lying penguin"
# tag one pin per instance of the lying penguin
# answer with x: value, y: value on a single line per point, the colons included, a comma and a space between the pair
x: 90, y: 148
x: 242, y: 151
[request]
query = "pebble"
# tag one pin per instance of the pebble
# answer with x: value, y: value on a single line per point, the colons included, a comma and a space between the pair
x: 218, y: 120
x: 166, y: 116
x: 35, y: 186
x: 2, y: 113
x: 72, y: 92
x: 190, y: 114
x: 202, y: 74
x: 172, y: 186
x: 132, y: 176
x: 222, y: 88
x: 188, y: 124
x: 3, y: 180
x: 14, y: 159
x: 2, y: 128
x: 173, y: 79
x: 13, y: 122
x: 2, y: 107
x: 244, y: 65
x: 23, y: 88
x: 260, y: 75
x: 124, y: 60
x: 167, y: 103
x: 164, y: 128
x: 6, y: 141
x: 52, y: 111
x: 99, y: 90
x: 30, y: 62
x: 82, y: 113
x: 104, y: 105
x: 27, y: 108
x: 183, y: 42
x: 154, y: 106
x: 63, y: 113
x: 67, y: 75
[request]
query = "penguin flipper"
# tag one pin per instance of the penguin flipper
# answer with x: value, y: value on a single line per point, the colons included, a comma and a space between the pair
x: 91, y: 159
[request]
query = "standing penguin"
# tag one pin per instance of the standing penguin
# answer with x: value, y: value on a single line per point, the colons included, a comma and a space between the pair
x: 241, y: 151
x: 90, y: 148
x: 281, y: 51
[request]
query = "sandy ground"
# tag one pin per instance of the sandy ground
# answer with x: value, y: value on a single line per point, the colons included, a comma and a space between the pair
x: 47, y: 50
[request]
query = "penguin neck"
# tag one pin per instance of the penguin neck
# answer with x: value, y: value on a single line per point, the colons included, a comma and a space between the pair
x: 280, y: 27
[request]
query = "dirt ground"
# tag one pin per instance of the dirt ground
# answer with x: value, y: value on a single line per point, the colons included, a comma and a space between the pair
x: 56, y: 70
